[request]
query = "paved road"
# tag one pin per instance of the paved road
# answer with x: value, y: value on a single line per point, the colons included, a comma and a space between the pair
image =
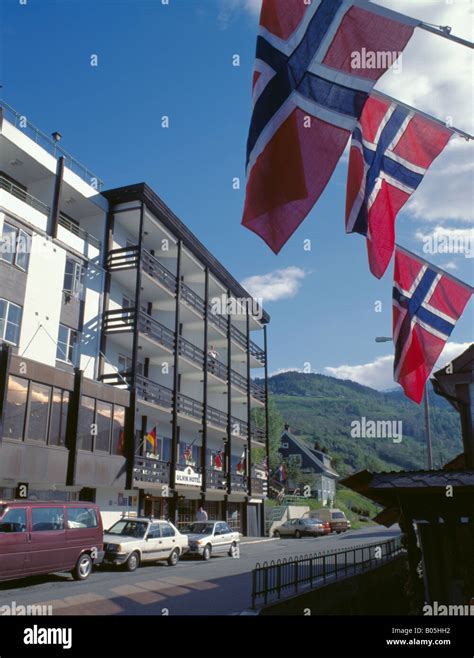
x: 194, y: 587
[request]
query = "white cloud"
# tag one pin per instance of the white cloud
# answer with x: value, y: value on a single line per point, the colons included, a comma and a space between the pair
x: 230, y: 8
x: 276, y: 285
x: 280, y: 371
x: 450, y: 266
x: 378, y: 374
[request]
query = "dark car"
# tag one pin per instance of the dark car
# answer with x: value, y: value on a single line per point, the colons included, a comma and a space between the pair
x: 309, y: 527
x: 45, y: 537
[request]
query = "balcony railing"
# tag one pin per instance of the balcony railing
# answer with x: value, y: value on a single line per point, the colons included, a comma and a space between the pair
x: 155, y: 330
x: 189, y: 407
x: 257, y: 392
x: 119, y: 320
x: 258, y: 434
x: 216, y: 479
x: 157, y: 271
x: 122, y: 259
x: 192, y: 299
x: 220, y: 321
x: 239, y: 427
x: 150, y: 391
x: 216, y: 417
x: 239, y: 337
x: 257, y: 353
x: 217, y: 368
x: 38, y: 136
x: 21, y: 194
x: 238, y: 482
x: 258, y: 486
x: 151, y: 470
x: 190, y: 351
x: 73, y: 228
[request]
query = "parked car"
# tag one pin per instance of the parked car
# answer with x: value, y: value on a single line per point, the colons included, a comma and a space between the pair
x: 45, y: 537
x: 207, y: 538
x: 303, y: 527
x: 336, y: 518
x: 133, y: 541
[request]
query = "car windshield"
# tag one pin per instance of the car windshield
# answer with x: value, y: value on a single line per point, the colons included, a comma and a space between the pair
x: 198, y: 528
x: 135, y: 529
x: 338, y: 515
x: 311, y: 521
x: 2, y: 509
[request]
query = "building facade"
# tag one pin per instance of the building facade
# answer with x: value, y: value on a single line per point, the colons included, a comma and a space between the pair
x: 127, y: 349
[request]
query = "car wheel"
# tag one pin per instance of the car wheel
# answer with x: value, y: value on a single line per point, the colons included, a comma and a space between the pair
x: 83, y: 567
x: 233, y: 549
x: 206, y: 554
x: 276, y: 534
x: 173, y: 558
x: 297, y: 534
x: 133, y: 562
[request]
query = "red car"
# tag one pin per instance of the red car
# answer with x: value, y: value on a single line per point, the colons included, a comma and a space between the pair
x: 45, y: 537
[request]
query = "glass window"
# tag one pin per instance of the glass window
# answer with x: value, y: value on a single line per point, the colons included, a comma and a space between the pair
x: 15, y: 408
x: 167, y: 443
x: 67, y: 340
x: 47, y: 518
x: 81, y: 517
x: 10, y: 321
x: 118, y: 430
x: 154, y: 532
x: 85, y: 423
x: 167, y: 531
x: 73, y: 277
x: 14, y: 521
x: 57, y: 425
x: 40, y: 396
x: 14, y: 247
x: 103, y: 419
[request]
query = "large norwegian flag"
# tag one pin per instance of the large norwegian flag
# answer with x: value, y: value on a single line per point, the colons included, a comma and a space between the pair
x: 391, y: 150
x: 308, y: 95
x: 427, y: 303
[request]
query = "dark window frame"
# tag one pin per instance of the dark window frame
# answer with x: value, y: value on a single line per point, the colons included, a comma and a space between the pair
x: 20, y: 236
x: 26, y: 427
x: 6, y: 321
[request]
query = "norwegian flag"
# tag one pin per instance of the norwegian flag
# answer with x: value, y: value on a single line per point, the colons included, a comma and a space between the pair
x: 392, y: 148
x: 188, y: 452
x: 242, y: 463
x: 427, y: 302
x: 308, y: 93
x: 218, y: 460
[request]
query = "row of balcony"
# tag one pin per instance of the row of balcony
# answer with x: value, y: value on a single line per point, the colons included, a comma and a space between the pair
x: 129, y: 257
x: 65, y: 222
x: 124, y: 320
x: 153, y: 471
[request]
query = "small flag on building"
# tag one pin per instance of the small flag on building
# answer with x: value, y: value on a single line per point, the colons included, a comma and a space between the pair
x: 218, y: 460
x: 427, y: 302
x: 391, y: 150
x: 316, y: 64
x: 151, y: 442
x: 281, y: 473
x: 242, y: 463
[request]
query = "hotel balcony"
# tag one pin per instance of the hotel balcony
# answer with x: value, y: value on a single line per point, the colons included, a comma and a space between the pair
x: 238, y: 483
x: 150, y: 472
x: 22, y: 204
x: 216, y: 480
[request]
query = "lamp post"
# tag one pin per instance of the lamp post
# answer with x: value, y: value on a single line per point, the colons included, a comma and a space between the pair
x: 426, y: 407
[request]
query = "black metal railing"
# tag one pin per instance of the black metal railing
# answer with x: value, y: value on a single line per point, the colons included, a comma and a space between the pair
x: 217, y: 368
x: 190, y: 351
x: 157, y: 271
x: 23, y: 195
x: 155, y: 330
x: 257, y: 392
x: 257, y: 353
x: 216, y: 479
x: 50, y: 145
x: 218, y: 320
x: 286, y: 577
x: 216, y: 417
x: 257, y: 434
x: 119, y: 320
x: 238, y: 482
x: 119, y: 378
x: 258, y: 486
x: 239, y: 337
x: 150, y: 391
x: 122, y: 259
x: 189, y: 407
x: 73, y: 228
x: 236, y: 379
x: 192, y: 299
x: 151, y: 470
x: 239, y: 427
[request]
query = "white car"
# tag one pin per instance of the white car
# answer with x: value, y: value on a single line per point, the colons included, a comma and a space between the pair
x: 208, y: 538
x: 131, y: 541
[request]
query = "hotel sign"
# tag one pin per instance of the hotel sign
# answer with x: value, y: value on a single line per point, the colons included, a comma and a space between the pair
x: 189, y: 477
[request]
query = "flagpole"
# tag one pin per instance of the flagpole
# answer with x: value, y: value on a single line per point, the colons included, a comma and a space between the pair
x: 443, y: 31
x: 453, y: 129
x: 426, y: 405
x: 435, y: 268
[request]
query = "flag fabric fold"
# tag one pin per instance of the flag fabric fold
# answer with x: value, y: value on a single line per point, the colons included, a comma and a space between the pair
x: 392, y: 147
x: 427, y: 303
x: 151, y: 442
x: 309, y: 90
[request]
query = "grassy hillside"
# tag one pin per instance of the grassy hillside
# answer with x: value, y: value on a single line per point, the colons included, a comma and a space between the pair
x: 321, y: 408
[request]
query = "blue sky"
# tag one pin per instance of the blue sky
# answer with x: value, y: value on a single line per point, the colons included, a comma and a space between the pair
x: 176, y: 60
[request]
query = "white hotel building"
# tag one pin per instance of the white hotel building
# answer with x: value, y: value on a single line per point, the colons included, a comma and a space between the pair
x: 116, y: 321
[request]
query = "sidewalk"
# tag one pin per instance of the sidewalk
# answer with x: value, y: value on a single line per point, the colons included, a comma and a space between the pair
x: 256, y: 540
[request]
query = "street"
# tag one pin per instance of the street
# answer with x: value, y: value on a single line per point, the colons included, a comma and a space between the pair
x: 221, y: 586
